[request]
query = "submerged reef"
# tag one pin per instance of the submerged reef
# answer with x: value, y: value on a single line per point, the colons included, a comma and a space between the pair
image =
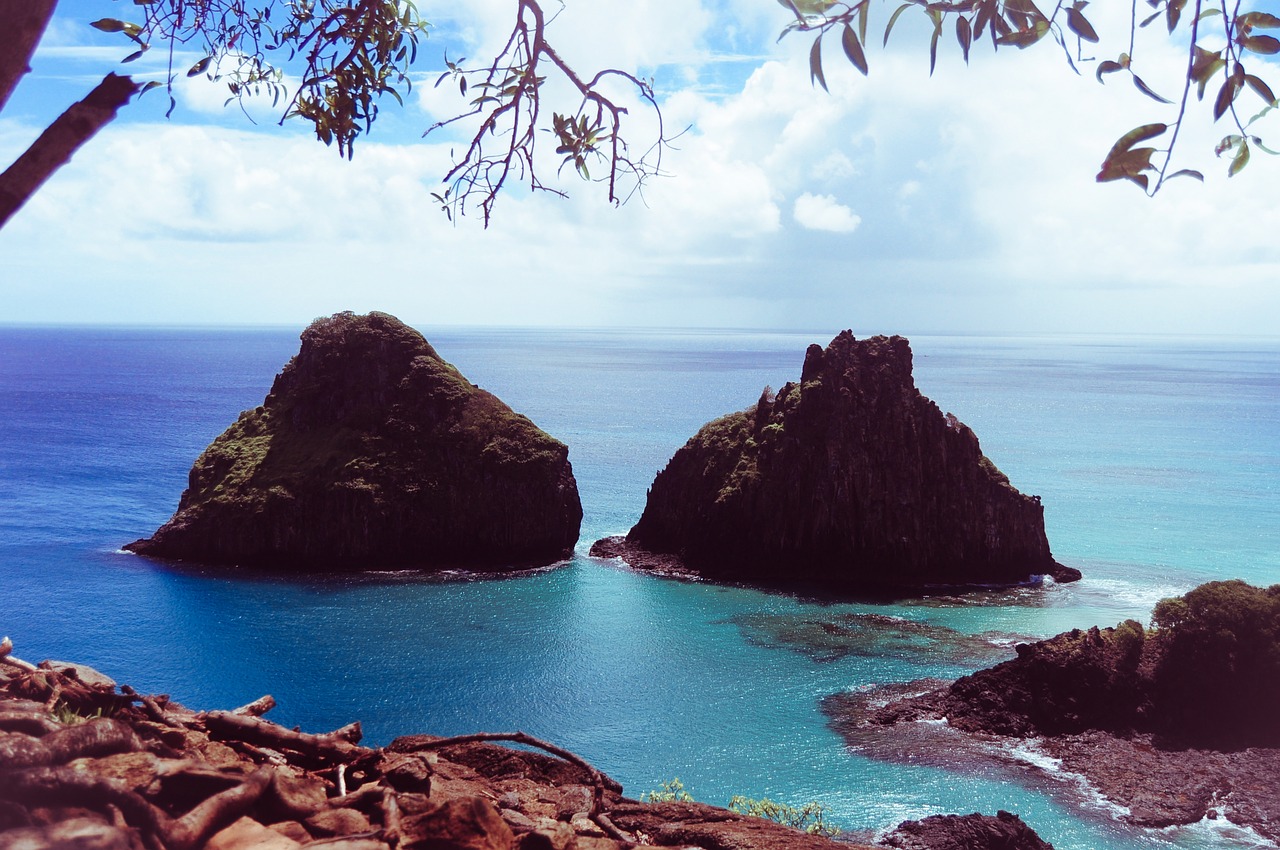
x: 372, y: 452
x: 850, y: 480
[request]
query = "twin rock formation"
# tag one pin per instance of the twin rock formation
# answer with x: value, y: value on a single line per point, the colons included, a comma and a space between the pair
x: 371, y: 451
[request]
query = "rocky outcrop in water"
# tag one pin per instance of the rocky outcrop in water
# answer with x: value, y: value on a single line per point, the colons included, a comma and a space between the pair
x: 371, y: 452
x: 1175, y: 723
x: 849, y: 480
x: 1002, y: 831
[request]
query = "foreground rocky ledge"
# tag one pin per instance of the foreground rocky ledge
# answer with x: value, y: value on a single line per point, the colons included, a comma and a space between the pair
x: 848, y: 481
x: 372, y: 452
x: 156, y: 775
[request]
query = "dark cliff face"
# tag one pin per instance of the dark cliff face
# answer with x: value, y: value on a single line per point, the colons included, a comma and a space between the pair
x: 850, y: 479
x: 1207, y: 675
x: 371, y: 451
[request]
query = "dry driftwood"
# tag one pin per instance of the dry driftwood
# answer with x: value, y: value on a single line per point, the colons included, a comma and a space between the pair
x: 35, y: 753
x: 599, y: 782
x: 332, y: 747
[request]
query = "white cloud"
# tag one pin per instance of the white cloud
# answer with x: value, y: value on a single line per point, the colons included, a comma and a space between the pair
x: 976, y: 207
x: 821, y: 212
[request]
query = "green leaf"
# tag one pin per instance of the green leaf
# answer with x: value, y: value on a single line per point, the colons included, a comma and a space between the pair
x: 1186, y: 172
x: 1108, y: 67
x: 1173, y: 13
x: 1226, y: 95
x: 964, y: 35
x: 149, y: 86
x: 1263, y: 90
x: 815, y: 63
x: 1227, y: 143
x: 1263, y: 44
x: 933, y: 47
x: 1137, y: 134
x: 1240, y: 161
x: 1145, y: 89
x: 1024, y: 38
x: 1128, y: 165
x: 200, y: 67
x: 108, y: 25
x: 1080, y: 25
x: 893, y: 19
x: 1258, y: 20
x: 137, y: 54
x: 853, y: 49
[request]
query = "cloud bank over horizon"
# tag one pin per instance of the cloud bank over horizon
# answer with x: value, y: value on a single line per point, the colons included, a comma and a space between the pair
x: 963, y: 202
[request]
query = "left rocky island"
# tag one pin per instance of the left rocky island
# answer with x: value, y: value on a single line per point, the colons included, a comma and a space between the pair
x: 371, y: 452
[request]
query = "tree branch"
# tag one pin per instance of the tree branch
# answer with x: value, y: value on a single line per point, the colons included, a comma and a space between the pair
x: 25, y: 22
x: 56, y: 145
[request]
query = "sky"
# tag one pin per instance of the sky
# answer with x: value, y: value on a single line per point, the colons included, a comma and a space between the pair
x: 962, y: 202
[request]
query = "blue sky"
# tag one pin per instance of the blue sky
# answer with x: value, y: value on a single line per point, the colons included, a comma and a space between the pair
x: 959, y: 203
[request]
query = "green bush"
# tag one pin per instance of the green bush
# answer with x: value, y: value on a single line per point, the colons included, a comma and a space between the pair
x: 810, y: 818
x: 670, y: 792
x: 1218, y: 678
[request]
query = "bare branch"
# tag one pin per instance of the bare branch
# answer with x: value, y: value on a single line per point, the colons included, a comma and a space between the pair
x: 56, y: 145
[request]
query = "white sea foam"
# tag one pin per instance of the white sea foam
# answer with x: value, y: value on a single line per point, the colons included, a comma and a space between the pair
x: 1216, y: 832
x: 1029, y: 752
x: 1134, y: 594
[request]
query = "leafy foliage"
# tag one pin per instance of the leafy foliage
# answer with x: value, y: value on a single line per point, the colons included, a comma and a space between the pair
x: 1218, y: 677
x: 670, y: 792
x: 810, y: 818
x: 352, y: 53
x: 1234, y: 32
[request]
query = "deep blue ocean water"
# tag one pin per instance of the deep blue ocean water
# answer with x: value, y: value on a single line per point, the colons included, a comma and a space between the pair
x: 1158, y: 461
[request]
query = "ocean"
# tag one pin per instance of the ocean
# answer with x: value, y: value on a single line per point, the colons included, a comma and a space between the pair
x: 1157, y: 460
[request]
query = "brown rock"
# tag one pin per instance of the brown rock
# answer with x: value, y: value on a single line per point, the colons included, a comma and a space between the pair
x: 465, y: 823
x: 410, y: 772
x: 291, y: 829
x: 293, y: 797
x: 574, y: 800
x: 700, y: 825
x: 135, y: 770
x: 518, y: 821
x: 336, y: 822
x: 248, y: 834
x: 559, y: 837
x: 73, y: 834
x: 1005, y: 831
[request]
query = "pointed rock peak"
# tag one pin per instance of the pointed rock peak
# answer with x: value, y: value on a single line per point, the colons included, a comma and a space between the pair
x: 851, y: 481
x: 371, y: 451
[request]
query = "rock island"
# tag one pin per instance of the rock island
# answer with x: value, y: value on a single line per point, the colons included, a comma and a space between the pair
x: 372, y: 452
x: 849, y: 480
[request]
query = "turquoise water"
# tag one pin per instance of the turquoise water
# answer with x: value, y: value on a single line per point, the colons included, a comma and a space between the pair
x: 1157, y: 460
